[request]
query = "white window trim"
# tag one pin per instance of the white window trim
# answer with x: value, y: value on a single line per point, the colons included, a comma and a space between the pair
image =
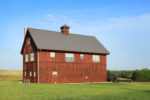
x: 52, y: 54
x: 69, y: 57
x: 34, y: 74
x: 30, y: 73
x: 25, y: 73
x: 32, y: 56
x: 26, y: 57
x: 81, y: 56
x: 54, y: 73
x: 96, y: 58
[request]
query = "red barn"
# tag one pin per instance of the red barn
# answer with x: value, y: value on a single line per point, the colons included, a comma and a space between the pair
x: 62, y: 57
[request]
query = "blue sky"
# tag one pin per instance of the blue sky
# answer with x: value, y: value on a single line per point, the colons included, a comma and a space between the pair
x: 122, y: 26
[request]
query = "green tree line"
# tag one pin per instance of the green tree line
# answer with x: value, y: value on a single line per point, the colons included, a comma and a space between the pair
x: 136, y: 75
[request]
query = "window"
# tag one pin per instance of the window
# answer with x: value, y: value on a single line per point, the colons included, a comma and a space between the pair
x: 54, y: 73
x: 26, y: 58
x: 32, y: 56
x: 52, y: 54
x: 29, y: 39
x: 69, y: 57
x: 95, y: 58
x: 25, y: 73
x: 81, y: 56
x: 30, y: 73
x: 34, y: 74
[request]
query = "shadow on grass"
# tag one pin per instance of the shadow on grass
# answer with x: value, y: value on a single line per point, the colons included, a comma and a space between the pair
x: 98, y: 97
x: 147, y: 91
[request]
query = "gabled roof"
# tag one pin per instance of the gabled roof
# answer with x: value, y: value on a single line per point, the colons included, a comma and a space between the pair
x: 51, y: 40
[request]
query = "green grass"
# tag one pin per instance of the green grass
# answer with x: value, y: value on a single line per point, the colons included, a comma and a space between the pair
x: 14, y: 90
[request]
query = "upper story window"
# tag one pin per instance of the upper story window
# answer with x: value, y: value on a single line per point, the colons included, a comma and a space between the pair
x: 52, y: 54
x: 81, y: 56
x: 32, y: 56
x: 95, y: 58
x: 26, y: 58
x: 69, y: 57
x: 29, y: 39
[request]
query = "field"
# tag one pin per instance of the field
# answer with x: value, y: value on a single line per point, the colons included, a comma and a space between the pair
x: 15, y: 90
x: 10, y: 75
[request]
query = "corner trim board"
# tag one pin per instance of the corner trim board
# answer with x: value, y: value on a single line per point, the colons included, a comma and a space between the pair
x: 38, y: 68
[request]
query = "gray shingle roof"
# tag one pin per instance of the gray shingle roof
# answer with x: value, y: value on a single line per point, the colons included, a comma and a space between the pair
x: 51, y: 40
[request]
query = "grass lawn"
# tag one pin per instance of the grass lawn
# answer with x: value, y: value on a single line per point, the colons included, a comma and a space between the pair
x: 13, y: 90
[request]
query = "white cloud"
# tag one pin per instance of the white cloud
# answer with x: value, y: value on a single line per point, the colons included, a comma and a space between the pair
x: 71, y: 23
x: 51, y: 17
x: 55, y: 22
x: 125, y: 22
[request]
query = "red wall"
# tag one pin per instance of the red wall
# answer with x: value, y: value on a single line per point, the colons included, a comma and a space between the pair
x: 68, y: 72
x: 29, y: 66
x: 71, y: 72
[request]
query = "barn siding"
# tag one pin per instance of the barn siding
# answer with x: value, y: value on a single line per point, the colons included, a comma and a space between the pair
x: 71, y: 72
x: 29, y: 66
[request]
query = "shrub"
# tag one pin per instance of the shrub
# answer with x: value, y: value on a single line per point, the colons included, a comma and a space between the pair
x: 141, y: 75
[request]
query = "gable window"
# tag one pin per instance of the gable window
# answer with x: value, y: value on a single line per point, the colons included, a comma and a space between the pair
x: 52, y: 54
x: 29, y: 39
x: 30, y: 73
x: 81, y: 56
x: 32, y: 56
x: 69, y: 57
x: 54, y: 73
x: 26, y: 58
x: 95, y: 58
